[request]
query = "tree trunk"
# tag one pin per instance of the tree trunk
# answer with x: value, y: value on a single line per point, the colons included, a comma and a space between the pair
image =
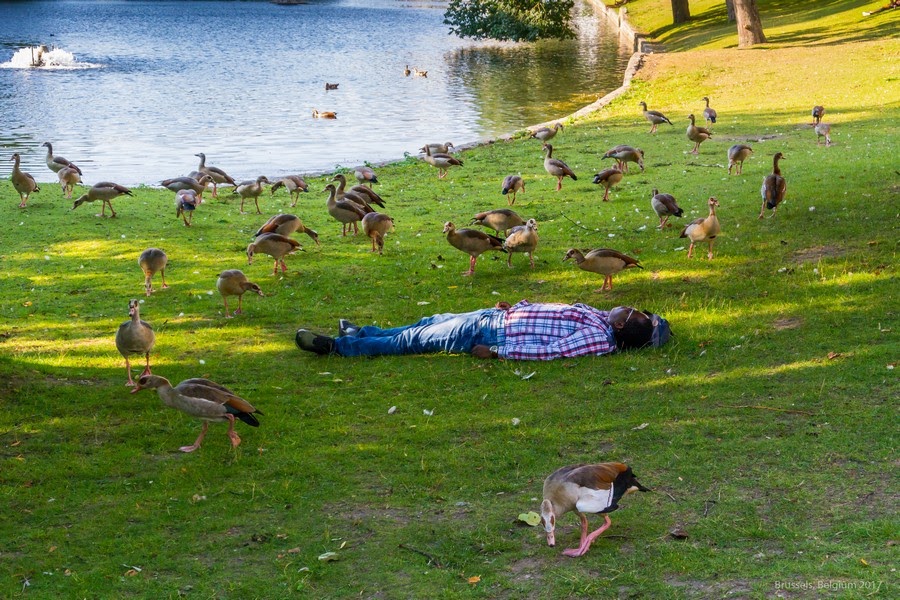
x: 749, y: 26
x: 681, y: 12
x: 729, y: 6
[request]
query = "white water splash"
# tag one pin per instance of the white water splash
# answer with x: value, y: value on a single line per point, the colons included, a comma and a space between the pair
x: 41, y: 57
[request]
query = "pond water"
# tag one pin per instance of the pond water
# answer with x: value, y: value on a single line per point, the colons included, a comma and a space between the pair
x: 132, y: 90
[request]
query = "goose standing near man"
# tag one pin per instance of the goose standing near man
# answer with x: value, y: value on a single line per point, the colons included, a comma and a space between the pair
x: 603, y: 261
x: 217, y: 175
x: 703, y: 230
x: 23, y: 182
x: 233, y: 282
x: 472, y: 242
x: 522, y: 238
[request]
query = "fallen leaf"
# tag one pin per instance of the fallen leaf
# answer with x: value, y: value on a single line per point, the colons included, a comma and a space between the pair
x: 864, y: 563
x: 294, y: 551
x: 641, y: 426
x: 833, y: 355
x: 678, y: 533
x: 530, y: 518
x: 474, y: 580
x: 52, y: 549
x: 130, y: 573
x: 329, y: 556
x: 392, y: 410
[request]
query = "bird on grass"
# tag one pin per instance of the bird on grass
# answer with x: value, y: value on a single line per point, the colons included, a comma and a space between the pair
x: 23, y: 182
x: 294, y: 184
x: 135, y: 336
x: 376, y: 225
x: 608, y: 178
x: 556, y: 167
x: 365, y: 175
x: 774, y: 187
x: 500, y: 220
x: 359, y: 194
x: 186, y: 202
x: 217, y: 175
x: 251, y: 189
x: 602, y: 261
x: 823, y: 130
x: 817, y: 113
x: 654, y: 116
x: 522, y: 238
x: 703, y: 230
x: 472, y: 242
x: 664, y: 206
x: 698, y: 135
x: 194, y: 184
x: 205, y: 400
x: 285, y: 225
x: 153, y: 261
x: 512, y: 184
x: 441, y: 161
x: 344, y: 212
x: 437, y: 148
x: 233, y: 282
x: 737, y: 154
x: 56, y: 163
x: 275, y: 245
x: 595, y: 489
x: 545, y: 134
x: 105, y: 191
x: 709, y: 113
x: 68, y: 177
x: 625, y: 154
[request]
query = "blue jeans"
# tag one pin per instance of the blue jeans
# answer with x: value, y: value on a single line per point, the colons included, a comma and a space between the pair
x: 448, y: 332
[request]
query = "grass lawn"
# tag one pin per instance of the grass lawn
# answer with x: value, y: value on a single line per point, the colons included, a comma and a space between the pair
x: 765, y: 428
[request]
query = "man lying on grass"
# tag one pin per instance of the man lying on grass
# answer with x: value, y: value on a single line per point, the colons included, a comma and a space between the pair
x: 523, y: 331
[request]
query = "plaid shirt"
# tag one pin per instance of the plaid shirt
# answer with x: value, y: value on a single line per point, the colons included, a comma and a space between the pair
x: 548, y: 331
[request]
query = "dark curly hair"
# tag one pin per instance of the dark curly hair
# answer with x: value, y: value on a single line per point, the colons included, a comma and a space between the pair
x: 635, y: 333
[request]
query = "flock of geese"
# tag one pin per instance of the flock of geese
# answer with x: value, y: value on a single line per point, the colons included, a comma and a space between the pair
x: 581, y: 488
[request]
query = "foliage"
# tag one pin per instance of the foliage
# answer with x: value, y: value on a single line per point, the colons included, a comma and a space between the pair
x: 510, y: 20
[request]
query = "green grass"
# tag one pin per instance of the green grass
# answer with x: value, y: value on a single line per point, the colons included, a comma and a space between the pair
x: 770, y: 436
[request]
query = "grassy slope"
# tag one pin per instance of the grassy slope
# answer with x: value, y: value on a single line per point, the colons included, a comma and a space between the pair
x: 802, y: 488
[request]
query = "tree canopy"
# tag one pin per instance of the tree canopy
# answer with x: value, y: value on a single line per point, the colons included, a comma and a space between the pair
x: 510, y: 20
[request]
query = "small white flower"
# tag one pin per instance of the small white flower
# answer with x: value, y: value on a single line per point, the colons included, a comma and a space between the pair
x: 392, y: 410
x: 202, y: 362
x: 515, y: 421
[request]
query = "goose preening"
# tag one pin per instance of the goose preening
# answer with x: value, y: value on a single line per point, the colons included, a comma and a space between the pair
x: 205, y: 400
x: 608, y: 178
x: 512, y: 184
x: 500, y: 220
x: 153, y: 261
x: 437, y: 148
x: 737, y: 154
x: 603, y: 261
x: 331, y: 86
x: 624, y: 155
x: 595, y: 489
x: 817, y: 113
x: 376, y: 225
x: 195, y: 184
x: 325, y: 114
x: 365, y: 175
x: 773, y: 188
x: 233, y: 282
x: 698, y: 135
x: 217, y: 175
x: 556, y: 167
x: 55, y: 163
x: 251, y: 189
x: 654, y: 116
x: 344, y: 211
x: 441, y: 161
x: 186, y: 202
x: 23, y: 182
x: 285, y: 225
x: 823, y: 130
x: 709, y: 114
x: 703, y: 230
x: 545, y: 134
x: 275, y: 245
x: 135, y: 336
x: 472, y: 242
x: 522, y: 238
x: 104, y: 191
x: 664, y: 206
x: 68, y: 177
x: 294, y: 184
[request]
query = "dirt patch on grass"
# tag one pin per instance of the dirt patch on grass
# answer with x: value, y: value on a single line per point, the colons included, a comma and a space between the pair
x: 787, y: 323
x: 696, y: 588
x: 753, y: 138
x: 817, y: 253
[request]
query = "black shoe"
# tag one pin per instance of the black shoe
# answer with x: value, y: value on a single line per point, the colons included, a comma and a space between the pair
x: 311, y: 342
x: 345, y: 327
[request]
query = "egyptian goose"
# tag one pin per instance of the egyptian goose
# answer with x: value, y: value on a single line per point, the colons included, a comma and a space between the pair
x: 512, y: 184
x: 556, y: 167
x: 105, y: 191
x: 251, y: 189
x: 233, y: 282
x: 441, y: 161
x: 376, y: 225
x: 523, y: 238
x: 365, y: 175
x: 325, y: 114
x: 406, y: 71
x: 437, y: 148
x: 368, y: 195
x: 817, y: 113
x: 56, y: 163
x: 419, y: 73
x: 664, y: 206
x: 602, y: 261
x: 608, y: 178
x: 737, y: 154
x: 709, y: 113
x: 286, y: 225
x: 294, y: 184
x: 356, y: 194
x: 275, y: 245
x: 186, y: 202
x: 331, y: 86
x: 595, y: 489
x: 135, y: 337
x: 698, y: 135
x: 22, y: 181
x: 703, y: 230
x: 773, y: 187
x: 205, y: 400
x: 625, y: 154
x: 823, y: 129
x: 68, y: 177
x: 153, y: 261
x: 217, y: 175
x: 195, y: 184
x: 500, y: 220
x: 343, y: 211
x: 654, y: 116
x: 545, y: 134
x: 472, y: 242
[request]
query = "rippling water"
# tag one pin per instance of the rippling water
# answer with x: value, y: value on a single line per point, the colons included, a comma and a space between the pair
x: 157, y: 82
